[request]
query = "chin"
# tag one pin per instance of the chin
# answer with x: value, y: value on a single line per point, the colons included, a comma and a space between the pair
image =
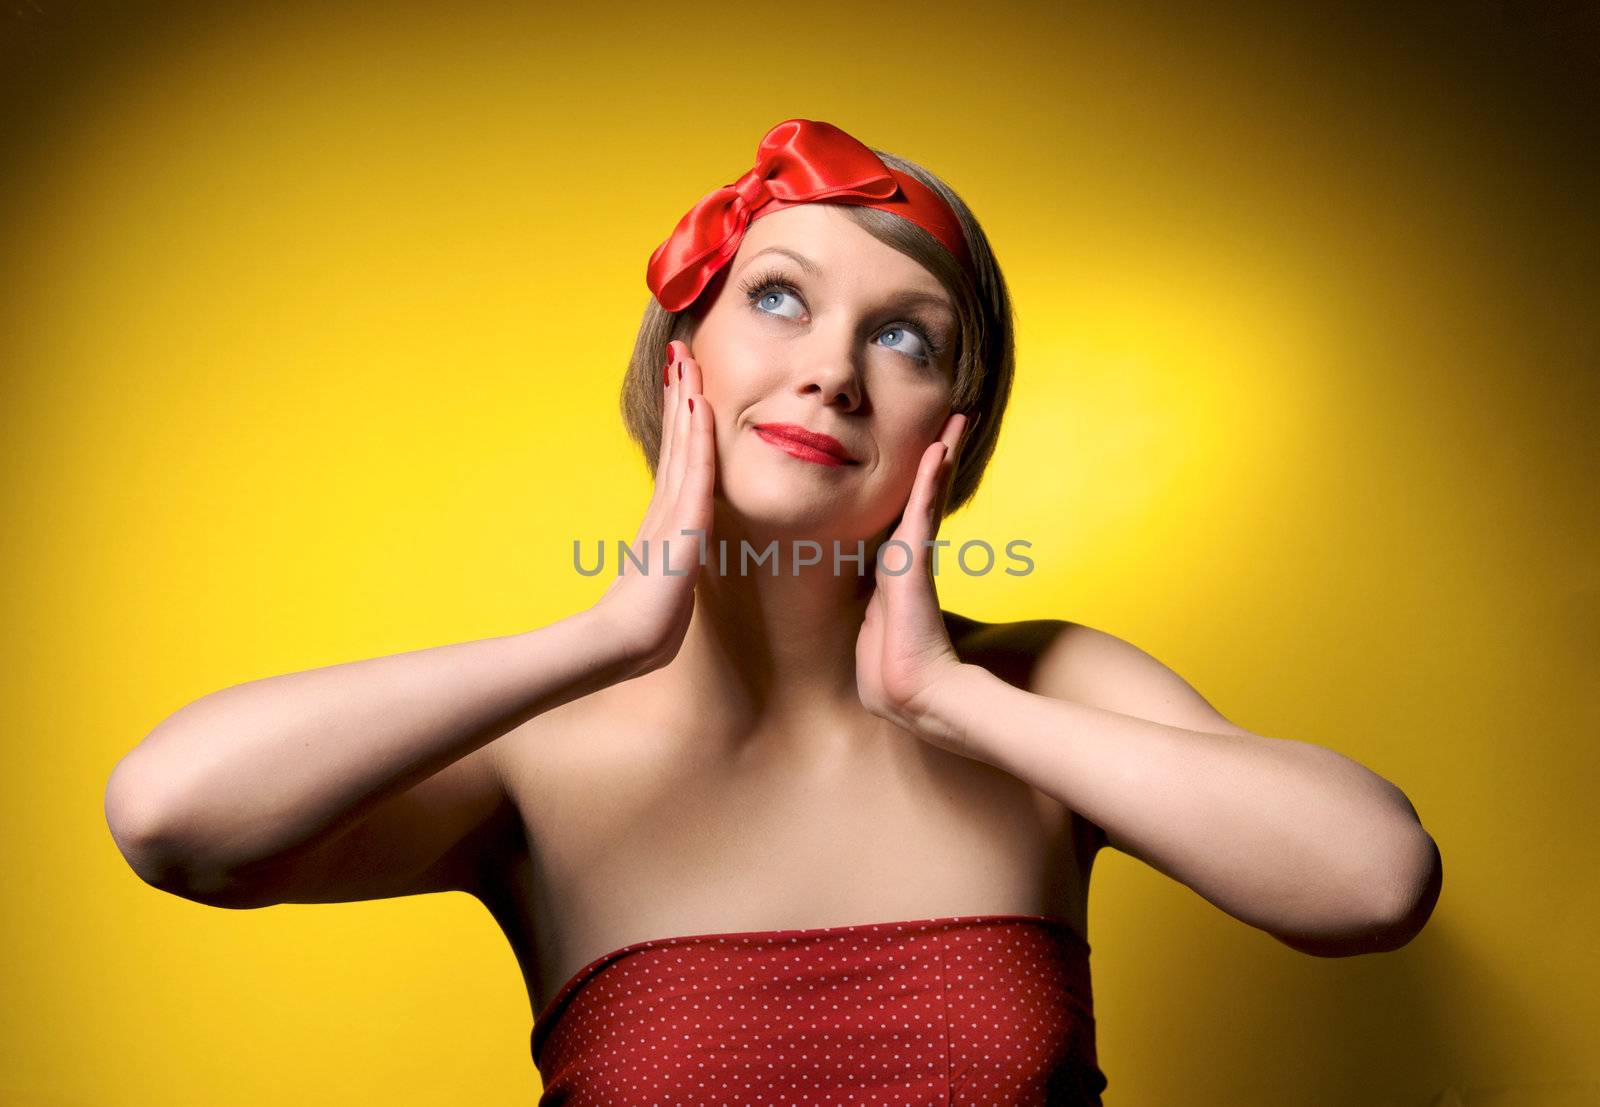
x: 771, y: 506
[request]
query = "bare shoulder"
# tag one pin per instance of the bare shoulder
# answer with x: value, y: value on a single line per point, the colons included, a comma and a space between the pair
x: 1087, y: 665
x: 1009, y: 650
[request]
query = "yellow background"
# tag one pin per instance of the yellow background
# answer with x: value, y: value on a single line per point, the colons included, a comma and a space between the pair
x: 312, y: 329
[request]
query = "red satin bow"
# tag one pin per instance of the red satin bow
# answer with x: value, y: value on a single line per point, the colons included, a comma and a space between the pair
x: 799, y: 161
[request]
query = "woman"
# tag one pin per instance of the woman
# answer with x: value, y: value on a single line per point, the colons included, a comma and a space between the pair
x: 783, y: 829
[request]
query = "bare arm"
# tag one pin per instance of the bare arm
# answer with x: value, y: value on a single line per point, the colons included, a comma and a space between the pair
x: 368, y: 779
x: 1287, y: 836
x: 251, y: 778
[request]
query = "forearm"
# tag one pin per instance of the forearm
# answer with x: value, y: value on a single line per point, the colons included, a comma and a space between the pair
x: 1287, y: 836
x: 250, y: 772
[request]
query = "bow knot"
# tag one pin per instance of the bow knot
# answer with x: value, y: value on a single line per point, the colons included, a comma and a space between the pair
x: 798, y: 161
x: 752, y: 188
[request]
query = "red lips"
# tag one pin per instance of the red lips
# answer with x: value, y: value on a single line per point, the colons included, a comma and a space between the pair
x: 816, y: 440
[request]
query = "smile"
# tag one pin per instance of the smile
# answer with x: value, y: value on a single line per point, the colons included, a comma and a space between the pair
x: 788, y: 441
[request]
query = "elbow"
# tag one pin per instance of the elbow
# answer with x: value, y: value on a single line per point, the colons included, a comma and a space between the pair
x: 132, y: 819
x: 1413, y: 890
x: 1409, y: 890
x: 140, y: 828
x: 146, y: 830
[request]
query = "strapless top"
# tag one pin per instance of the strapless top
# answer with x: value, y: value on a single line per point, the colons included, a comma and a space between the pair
x: 962, y: 1009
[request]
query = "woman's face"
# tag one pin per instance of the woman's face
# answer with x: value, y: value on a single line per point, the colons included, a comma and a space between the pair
x: 859, y: 345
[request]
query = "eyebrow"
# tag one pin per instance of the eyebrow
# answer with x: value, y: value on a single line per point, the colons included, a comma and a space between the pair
x: 907, y: 297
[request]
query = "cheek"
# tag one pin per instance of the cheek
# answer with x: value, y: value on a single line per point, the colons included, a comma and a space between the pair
x: 720, y: 388
x: 902, y: 458
x: 733, y: 379
x: 903, y: 454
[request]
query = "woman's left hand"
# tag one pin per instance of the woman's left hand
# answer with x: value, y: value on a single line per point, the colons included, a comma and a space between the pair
x: 903, y: 649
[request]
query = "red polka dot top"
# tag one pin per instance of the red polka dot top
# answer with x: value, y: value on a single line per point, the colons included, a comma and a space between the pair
x: 958, y: 1010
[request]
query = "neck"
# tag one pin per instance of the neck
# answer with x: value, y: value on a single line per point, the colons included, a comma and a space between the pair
x: 777, y: 653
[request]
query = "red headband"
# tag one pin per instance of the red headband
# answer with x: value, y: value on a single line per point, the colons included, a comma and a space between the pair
x: 799, y: 161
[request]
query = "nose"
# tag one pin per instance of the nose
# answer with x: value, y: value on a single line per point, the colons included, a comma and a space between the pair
x: 829, y: 368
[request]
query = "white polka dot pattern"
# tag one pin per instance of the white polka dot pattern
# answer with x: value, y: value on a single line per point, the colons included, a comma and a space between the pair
x: 969, y: 1010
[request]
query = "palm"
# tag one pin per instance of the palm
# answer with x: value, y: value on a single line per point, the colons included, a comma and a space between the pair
x: 869, y: 660
x: 903, y: 648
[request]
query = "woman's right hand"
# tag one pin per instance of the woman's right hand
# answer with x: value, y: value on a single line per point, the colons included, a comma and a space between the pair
x: 650, y: 609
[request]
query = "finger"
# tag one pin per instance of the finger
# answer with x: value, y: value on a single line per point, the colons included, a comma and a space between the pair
x: 691, y: 493
x: 664, y: 451
x: 914, y: 521
x: 693, y: 505
x: 931, y: 508
x: 683, y: 392
x: 669, y: 411
x: 957, y: 430
x: 693, y: 379
x: 911, y: 527
x: 948, y: 476
x: 664, y: 447
x: 688, y: 385
x: 950, y: 436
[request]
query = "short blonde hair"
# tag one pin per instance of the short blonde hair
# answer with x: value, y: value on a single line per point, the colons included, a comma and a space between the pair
x: 985, y: 344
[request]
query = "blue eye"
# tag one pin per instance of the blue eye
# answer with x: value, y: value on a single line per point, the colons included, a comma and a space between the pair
x: 905, y: 331
x: 765, y: 293
x: 770, y: 293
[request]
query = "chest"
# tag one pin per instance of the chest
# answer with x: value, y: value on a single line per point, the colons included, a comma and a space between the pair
x: 633, y: 832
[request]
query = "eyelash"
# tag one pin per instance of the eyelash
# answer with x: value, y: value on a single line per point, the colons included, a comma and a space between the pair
x: 759, y: 285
